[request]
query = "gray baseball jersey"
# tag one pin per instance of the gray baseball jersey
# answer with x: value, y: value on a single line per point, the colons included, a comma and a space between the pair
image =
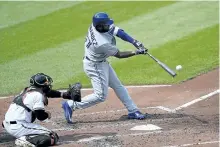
x: 99, y: 46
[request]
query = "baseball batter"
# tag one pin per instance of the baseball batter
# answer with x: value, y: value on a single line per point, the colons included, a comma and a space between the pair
x: 99, y: 45
x: 28, y: 106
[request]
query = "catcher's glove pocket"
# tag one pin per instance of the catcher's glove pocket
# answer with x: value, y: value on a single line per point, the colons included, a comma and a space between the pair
x: 75, y: 91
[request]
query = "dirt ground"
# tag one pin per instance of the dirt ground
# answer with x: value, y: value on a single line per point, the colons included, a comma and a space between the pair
x: 170, y: 123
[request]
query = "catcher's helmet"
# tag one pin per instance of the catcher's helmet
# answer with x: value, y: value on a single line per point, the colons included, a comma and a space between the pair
x: 41, y: 80
x: 101, y: 21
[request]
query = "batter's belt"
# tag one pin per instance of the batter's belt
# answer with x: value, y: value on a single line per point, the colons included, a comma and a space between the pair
x: 85, y: 57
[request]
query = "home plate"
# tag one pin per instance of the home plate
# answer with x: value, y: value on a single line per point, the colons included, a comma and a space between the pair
x: 148, y: 127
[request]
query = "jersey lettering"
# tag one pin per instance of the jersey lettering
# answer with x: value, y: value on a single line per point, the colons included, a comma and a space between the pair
x: 94, y: 42
x: 88, y: 42
x: 90, y: 38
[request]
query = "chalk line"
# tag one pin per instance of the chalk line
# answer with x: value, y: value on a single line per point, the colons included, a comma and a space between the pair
x: 196, y: 100
x: 131, y: 86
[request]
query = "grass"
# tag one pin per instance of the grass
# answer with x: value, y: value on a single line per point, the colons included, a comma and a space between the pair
x: 63, y: 25
x: 53, y: 42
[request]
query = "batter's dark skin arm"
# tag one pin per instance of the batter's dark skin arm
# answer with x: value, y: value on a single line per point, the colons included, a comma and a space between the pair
x: 125, y: 54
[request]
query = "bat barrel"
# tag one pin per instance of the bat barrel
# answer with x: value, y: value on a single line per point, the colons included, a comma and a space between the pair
x: 164, y: 66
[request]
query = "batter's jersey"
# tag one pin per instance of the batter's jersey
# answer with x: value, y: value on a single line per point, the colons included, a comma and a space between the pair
x: 33, y: 100
x: 99, y: 46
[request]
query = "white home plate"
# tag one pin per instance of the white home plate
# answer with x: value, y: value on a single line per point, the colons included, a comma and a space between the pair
x: 148, y: 127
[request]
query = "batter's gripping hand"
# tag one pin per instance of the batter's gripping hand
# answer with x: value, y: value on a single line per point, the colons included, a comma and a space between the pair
x: 75, y: 92
x: 140, y: 51
x: 138, y: 44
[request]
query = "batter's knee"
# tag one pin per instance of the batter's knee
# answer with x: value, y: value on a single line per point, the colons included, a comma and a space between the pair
x: 101, y: 96
x: 43, y: 140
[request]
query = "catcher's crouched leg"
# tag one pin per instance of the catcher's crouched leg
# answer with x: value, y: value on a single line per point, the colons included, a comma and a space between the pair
x: 43, y: 140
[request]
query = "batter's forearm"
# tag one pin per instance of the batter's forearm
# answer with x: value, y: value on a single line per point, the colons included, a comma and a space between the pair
x: 125, y: 54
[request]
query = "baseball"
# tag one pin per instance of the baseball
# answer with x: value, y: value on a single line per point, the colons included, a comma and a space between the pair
x: 178, y: 67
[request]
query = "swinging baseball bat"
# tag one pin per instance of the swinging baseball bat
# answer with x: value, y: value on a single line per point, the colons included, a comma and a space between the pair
x: 164, y: 66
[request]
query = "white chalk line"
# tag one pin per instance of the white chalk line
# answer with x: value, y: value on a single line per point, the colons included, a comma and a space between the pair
x: 192, y: 144
x: 115, y: 111
x: 196, y: 100
x: 119, y: 110
x: 134, y: 86
x: 5, y: 97
x: 131, y: 86
x: 110, y: 136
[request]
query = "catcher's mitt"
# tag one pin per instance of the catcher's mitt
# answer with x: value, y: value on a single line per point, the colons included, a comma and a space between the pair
x: 75, y: 92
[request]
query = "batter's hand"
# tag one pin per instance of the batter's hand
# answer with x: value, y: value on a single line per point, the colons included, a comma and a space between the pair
x: 138, y: 44
x: 140, y: 51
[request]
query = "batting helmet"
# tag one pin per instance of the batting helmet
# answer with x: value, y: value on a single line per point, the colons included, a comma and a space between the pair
x: 41, y: 80
x: 101, y: 21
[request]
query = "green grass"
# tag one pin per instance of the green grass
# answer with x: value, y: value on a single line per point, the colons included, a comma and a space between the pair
x: 197, y: 53
x: 53, y: 42
x: 64, y: 25
x: 15, y: 12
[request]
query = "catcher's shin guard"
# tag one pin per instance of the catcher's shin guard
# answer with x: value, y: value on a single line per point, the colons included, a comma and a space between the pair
x: 23, y: 142
x: 42, y: 140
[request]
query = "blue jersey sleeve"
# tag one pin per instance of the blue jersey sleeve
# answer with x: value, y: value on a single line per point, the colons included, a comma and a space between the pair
x: 116, y: 31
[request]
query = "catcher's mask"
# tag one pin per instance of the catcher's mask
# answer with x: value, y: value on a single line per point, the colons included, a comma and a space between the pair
x: 42, y: 81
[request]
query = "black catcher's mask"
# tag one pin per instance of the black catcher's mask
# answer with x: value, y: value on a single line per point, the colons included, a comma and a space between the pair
x: 42, y: 81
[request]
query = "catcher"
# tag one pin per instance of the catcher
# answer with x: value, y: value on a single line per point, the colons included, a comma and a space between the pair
x: 28, y: 106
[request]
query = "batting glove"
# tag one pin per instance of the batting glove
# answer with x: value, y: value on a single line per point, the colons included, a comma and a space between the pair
x: 140, y: 51
x: 138, y: 44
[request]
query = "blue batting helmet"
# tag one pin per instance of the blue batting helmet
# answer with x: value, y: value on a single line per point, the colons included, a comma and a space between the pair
x: 101, y: 21
x: 101, y: 18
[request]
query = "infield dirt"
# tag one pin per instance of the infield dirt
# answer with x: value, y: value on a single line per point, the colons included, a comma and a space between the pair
x: 106, y: 124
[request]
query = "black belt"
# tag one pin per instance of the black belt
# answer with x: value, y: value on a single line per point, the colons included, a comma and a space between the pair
x: 13, y: 122
x: 94, y: 61
x: 10, y: 122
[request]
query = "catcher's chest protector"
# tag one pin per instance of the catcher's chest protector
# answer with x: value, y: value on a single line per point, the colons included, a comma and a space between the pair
x: 19, y: 100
